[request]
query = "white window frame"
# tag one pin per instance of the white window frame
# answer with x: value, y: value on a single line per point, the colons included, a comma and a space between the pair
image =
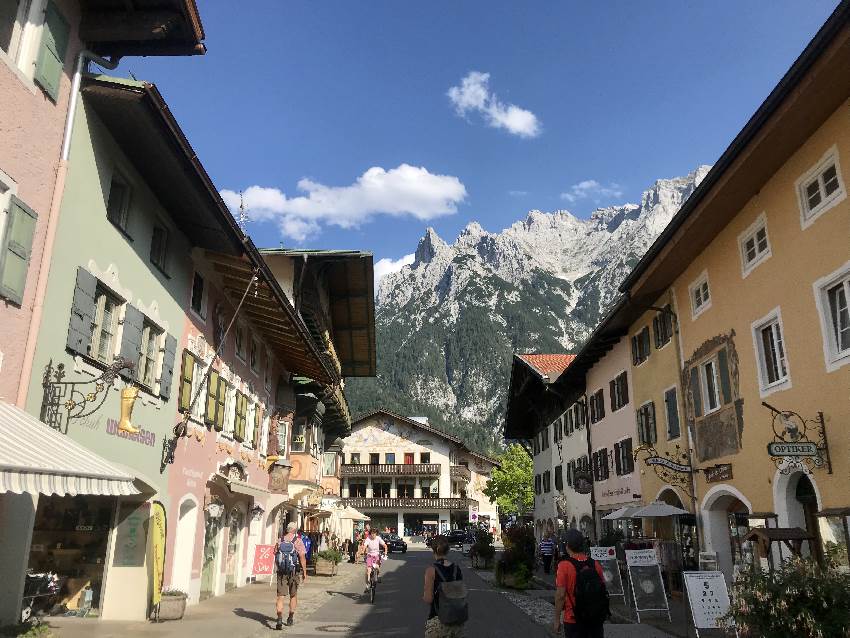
x: 697, y: 283
x: 158, y: 354
x: 199, y: 380
x: 8, y: 188
x: 103, y: 292
x: 750, y: 233
x: 250, y: 416
x: 833, y: 358
x: 703, y: 385
x: 675, y: 388
x: 808, y: 217
x: 26, y: 37
x: 767, y: 388
x: 229, y: 425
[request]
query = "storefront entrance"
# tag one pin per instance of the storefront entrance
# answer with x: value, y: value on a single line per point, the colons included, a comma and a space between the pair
x: 212, y: 526
x: 416, y: 524
x: 234, y: 548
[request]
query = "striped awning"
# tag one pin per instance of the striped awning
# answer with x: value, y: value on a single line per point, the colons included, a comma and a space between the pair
x: 36, y: 459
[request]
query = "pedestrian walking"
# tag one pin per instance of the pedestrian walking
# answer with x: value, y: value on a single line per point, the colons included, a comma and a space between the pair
x: 291, y: 563
x: 547, y: 552
x: 446, y: 594
x: 581, y: 600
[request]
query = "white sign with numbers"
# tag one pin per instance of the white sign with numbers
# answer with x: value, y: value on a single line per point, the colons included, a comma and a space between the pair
x: 708, y: 596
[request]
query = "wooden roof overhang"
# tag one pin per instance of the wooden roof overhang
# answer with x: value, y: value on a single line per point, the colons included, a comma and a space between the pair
x: 336, y: 420
x: 142, y: 27
x: 533, y: 402
x: 813, y: 88
x: 139, y: 120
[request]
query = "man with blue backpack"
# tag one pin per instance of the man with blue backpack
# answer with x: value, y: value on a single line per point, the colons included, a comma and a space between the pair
x: 291, y: 562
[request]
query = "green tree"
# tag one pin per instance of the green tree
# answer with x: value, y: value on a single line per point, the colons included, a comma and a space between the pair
x: 512, y: 484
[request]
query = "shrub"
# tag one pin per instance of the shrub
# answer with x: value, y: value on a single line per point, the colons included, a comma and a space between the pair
x: 332, y: 555
x: 26, y: 630
x: 483, y: 546
x: 519, y: 548
x: 799, y: 599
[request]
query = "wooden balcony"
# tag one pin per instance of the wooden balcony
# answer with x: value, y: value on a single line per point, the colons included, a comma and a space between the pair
x: 413, y: 469
x: 364, y: 504
x: 460, y: 473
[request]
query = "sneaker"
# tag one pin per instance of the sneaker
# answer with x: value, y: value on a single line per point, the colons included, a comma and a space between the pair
x: 290, y: 621
x: 279, y: 624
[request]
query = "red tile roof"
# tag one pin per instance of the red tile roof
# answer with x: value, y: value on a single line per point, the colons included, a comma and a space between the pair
x: 548, y: 365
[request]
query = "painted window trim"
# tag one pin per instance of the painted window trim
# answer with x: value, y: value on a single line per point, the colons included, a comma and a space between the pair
x: 696, y: 312
x: 765, y: 388
x: 832, y: 359
x: 703, y: 385
x: 807, y: 218
x: 667, y: 413
x: 759, y: 223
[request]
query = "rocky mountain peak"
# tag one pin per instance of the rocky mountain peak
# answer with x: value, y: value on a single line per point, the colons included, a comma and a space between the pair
x: 430, y: 244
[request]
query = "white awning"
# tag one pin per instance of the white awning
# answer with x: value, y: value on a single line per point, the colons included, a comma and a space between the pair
x: 658, y: 509
x: 36, y: 459
x: 352, y: 514
x: 242, y: 487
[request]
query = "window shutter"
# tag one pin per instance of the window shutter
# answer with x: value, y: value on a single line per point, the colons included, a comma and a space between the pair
x: 82, y: 313
x: 212, y: 398
x: 600, y: 406
x: 258, y: 424
x: 612, y: 390
x: 696, y: 396
x: 187, y: 376
x: 646, y: 347
x: 50, y: 62
x: 604, y: 458
x: 131, y: 340
x: 656, y: 331
x: 617, y: 465
x: 169, y: 353
x: 239, y: 418
x: 652, y: 430
x: 625, y: 389
x: 725, y: 385
x: 17, y: 250
x: 634, y: 350
x: 220, y: 404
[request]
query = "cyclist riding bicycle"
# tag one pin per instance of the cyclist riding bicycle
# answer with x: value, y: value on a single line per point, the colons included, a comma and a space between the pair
x: 371, y: 546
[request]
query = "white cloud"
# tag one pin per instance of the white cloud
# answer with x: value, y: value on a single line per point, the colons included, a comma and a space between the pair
x: 385, y: 266
x: 591, y: 189
x: 473, y: 94
x: 404, y: 190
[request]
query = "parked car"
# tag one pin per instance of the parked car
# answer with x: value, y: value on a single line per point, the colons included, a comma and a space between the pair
x: 456, y: 538
x: 394, y: 543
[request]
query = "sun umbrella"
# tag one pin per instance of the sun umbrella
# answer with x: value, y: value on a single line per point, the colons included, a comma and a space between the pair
x: 658, y: 509
x: 624, y: 512
x: 352, y: 514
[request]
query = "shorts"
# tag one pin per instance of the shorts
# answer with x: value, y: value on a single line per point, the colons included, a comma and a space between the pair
x: 435, y: 629
x: 372, y: 561
x: 573, y: 630
x: 288, y: 584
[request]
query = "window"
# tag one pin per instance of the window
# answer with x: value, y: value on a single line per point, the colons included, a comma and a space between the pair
x: 16, y: 246
x: 710, y: 386
x: 647, y: 433
x: 374, y: 458
x: 149, y: 355
x: 381, y: 489
x: 267, y: 375
x: 187, y: 382
x: 255, y: 355
x: 640, y: 346
x: 12, y: 20
x: 159, y: 247
x: 240, y: 415
x: 820, y: 189
x: 118, y: 202
x: 199, y: 296
x: 408, y: 458
x: 355, y: 458
x: 537, y: 484
x: 619, y: 390
x: 671, y: 408
x: 424, y: 457
x: 105, y: 326
x: 700, y: 295
x: 770, y: 351
x: 662, y: 327
x: 547, y: 481
x: 389, y: 458
x: 597, y: 406
x: 430, y: 488
x: 299, y: 437
x: 559, y: 478
x: 240, y: 336
x: 600, y: 465
x: 404, y: 488
x: 216, y: 401
x: 558, y: 429
x: 754, y: 245
x: 832, y: 293
x: 357, y: 489
x: 230, y: 410
x: 329, y: 464
x: 624, y: 462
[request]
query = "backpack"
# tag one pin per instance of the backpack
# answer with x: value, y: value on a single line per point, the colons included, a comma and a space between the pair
x: 451, y: 605
x: 286, y: 558
x: 590, y: 599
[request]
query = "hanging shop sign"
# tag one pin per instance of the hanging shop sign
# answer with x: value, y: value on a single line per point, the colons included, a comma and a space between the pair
x: 718, y: 473
x: 673, y: 467
x: 708, y: 597
x: 646, y: 580
x: 583, y: 482
x: 607, y: 559
x: 798, y: 444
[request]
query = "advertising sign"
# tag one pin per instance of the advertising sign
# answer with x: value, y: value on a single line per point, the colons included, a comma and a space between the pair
x: 708, y: 597
x: 158, y: 534
x: 264, y: 560
x: 607, y: 559
x: 718, y: 473
x: 131, y: 535
x: 647, y: 584
x: 802, y: 448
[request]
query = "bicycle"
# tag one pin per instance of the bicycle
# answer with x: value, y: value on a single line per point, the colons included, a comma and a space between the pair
x: 373, y: 579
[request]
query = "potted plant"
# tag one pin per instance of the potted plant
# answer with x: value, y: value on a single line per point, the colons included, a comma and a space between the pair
x: 483, y: 550
x: 172, y: 606
x: 327, y: 561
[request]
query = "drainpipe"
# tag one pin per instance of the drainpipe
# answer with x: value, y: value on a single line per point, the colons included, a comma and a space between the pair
x: 53, y: 216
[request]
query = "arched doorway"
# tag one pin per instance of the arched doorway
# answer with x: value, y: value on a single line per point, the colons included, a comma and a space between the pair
x: 236, y: 525
x: 212, y: 527
x: 184, y: 544
x: 797, y: 503
x: 724, y: 508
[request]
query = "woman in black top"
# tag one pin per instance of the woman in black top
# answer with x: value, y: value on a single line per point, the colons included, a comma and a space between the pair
x: 448, y: 572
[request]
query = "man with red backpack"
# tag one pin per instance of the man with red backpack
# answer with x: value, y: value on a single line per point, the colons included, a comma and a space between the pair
x: 290, y: 560
x: 581, y: 599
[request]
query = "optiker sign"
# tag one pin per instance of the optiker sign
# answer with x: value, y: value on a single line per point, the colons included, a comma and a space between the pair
x: 804, y: 448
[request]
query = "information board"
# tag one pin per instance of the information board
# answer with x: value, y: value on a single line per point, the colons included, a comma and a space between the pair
x: 264, y: 560
x: 607, y: 559
x: 708, y: 597
x: 647, y: 585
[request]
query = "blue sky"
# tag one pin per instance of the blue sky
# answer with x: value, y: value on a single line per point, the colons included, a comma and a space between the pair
x: 344, y: 116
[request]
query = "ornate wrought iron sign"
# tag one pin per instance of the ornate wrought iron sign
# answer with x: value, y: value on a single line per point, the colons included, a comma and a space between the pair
x: 63, y: 401
x: 674, y: 468
x: 583, y: 482
x: 799, y: 445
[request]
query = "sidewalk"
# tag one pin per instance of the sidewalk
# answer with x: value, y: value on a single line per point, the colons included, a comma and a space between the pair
x: 220, y: 616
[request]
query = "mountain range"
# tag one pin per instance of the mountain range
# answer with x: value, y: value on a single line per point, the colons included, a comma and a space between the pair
x: 448, y: 324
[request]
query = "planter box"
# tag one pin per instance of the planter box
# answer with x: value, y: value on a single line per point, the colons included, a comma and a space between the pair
x: 325, y: 567
x: 172, y: 607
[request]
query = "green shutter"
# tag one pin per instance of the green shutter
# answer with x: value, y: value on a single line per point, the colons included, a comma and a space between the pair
x: 50, y: 62
x: 187, y: 375
x: 212, y: 398
x: 725, y: 385
x: 220, y: 405
x: 17, y: 249
x: 696, y: 396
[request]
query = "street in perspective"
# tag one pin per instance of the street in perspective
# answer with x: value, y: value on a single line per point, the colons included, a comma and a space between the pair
x: 441, y: 320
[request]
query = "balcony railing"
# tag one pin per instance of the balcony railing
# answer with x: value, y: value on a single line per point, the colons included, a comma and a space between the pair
x: 418, y: 469
x: 361, y: 503
x: 460, y: 473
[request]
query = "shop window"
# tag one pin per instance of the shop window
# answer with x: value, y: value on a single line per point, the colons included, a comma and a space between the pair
x: 662, y: 327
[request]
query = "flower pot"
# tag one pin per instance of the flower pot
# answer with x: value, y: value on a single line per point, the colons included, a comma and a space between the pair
x: 172, y: 607
x: 325, y: 567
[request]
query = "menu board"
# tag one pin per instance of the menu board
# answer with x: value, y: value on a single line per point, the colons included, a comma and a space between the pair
x: 708, y: 597
x: 607, y: 559
x: 645, y: 577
